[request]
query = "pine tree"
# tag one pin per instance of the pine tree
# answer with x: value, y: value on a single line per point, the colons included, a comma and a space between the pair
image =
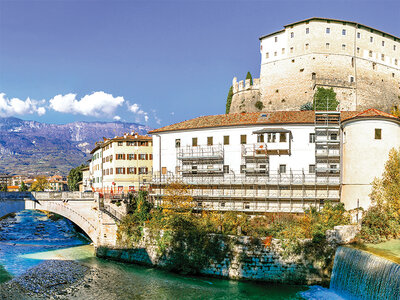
x: 23, y: 187
x: 248, y: 76
x: 229, y: 100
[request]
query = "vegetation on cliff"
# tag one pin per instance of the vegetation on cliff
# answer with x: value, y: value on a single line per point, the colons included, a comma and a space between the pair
x: 188, y: 238
x: 382, y: 220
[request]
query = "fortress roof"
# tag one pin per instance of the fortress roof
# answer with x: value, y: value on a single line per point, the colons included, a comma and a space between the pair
x: 265, y: 118
x: 331, y: 20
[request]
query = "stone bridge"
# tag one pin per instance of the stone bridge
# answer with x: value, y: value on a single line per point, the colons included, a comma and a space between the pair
x: 84, y: 209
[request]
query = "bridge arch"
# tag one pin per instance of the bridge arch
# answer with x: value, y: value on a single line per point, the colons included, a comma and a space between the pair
x: 81, y: 213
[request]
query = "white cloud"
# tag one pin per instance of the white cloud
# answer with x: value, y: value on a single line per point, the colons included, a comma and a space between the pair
x: 146, y: 117
x: 117, y: 118
x: 133, y: 108
x: 95, y: 104
x: 15, y: 106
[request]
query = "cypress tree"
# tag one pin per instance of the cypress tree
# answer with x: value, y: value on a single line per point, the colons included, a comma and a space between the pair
x: 248, y: 76
x: 229, y: 100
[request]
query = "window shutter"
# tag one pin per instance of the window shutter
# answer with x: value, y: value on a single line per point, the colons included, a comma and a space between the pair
x: 123, y: 170
x: 147, y: 170
x: 147, y: 157
x: 134, y: 157
x: 134, y: 170
x: 151, y: 156
x: 123, y: 156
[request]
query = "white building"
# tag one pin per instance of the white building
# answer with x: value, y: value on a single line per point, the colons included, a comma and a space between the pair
x: 274, y: 161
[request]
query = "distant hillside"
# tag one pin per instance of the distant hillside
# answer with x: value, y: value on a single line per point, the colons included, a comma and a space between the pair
x: 31, y: 147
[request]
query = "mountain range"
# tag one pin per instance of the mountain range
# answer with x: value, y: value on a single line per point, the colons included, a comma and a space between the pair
x: 30, y: 147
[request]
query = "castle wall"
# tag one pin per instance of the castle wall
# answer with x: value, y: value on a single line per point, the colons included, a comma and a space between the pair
x: 363, y: 67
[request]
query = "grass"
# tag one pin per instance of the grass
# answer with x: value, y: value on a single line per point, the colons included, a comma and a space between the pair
x: 389, y: 250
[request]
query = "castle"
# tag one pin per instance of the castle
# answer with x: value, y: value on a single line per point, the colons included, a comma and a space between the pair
x: 360, y: 63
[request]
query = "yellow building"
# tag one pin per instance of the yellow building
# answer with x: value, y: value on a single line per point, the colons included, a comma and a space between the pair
x: 122, y: 164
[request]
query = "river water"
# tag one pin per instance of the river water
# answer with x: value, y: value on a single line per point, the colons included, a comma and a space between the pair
x: 30, y: 238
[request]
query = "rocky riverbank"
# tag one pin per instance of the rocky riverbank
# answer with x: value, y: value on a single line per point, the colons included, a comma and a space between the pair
x: 54, y: 279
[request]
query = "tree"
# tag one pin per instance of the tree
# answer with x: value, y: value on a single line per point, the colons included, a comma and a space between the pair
x: 177, y: 198
x: 386, y: 191
x: 74, y: 177
x: 229, y: 100
x: 248, y: 76
x: 325, y: 99
x: 395, y: 111
x: 3, y: 187
x: 40, y: 184
x: 23, y: 187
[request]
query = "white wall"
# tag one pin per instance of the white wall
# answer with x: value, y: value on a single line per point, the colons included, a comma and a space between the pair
x: 303, y: 153
x: 364, y: 157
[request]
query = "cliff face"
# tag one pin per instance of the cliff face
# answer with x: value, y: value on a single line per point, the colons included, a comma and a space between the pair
x: 31, y: 147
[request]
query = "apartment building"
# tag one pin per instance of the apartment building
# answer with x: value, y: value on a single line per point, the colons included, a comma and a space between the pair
x: 121, y: 164
x: 275, y: 161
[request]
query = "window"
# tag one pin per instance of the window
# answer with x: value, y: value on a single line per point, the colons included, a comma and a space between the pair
x: 119, y: 170
x: 276, y: 39
x: 313, y: 76
x: 395, y: 61
x: 282, y: 169
x: 394, y: 47
x: 311, y: 138
x: 351, y: 79
x: 243, y: 139
x: 383, y: 43
x: 333, y: 136
x: 292, y: 34
x: 307, y: 30
x: 275, y: 53
x: 343, y: 31
x: 370, y: 53
x: 267, y: 55
x: 177, y: 143
x: 371, y: 39
x: 143, y: 170
x: 119, y: 156
x: 194, y: 141
x: 291, y: 49
x: 327, y: 45
x: 311, y: 169
x: 226, y: 169
x: 306, y: 46
x: 246, y: 205
x: 378, y: 133
x: 226, y: 139
x: 328, y: 30
x: 131, y: 156
x: 383, y: 57
x: 242, y: 168
x: 260, y: 138
x: 282, y: 137
x: 374, y: 66
x: 142, y: 156
x: 209, y: 141
x: 283, y: 50
x: 131, y: 170
x: 120, y: 143
x: 358, y: 50
x: 343, y: 46
x: 222, y: 204
x: 271, y: 138
x: 358, y: 35
x: 164, y: 170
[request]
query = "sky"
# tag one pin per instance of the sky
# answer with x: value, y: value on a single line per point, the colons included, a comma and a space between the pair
x: 150, y: 62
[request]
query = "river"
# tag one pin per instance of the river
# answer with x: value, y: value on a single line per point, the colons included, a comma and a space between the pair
x: 31, y: 237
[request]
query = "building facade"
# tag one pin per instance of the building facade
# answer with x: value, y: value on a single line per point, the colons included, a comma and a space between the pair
x: 121, y: 164
x: 360, y: 63
x: 280, y: 161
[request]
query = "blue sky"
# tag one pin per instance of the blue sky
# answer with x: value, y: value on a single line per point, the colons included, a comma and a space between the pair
x: 153, y: 62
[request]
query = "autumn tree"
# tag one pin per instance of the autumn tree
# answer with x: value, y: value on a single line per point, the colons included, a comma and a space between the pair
x: 178, y: 198
x: 40, y: 184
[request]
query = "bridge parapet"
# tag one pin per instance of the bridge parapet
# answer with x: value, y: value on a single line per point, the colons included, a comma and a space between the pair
x: 53, y: 196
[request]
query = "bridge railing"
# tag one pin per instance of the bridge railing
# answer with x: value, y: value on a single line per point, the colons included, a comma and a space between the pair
x: 15, y: 195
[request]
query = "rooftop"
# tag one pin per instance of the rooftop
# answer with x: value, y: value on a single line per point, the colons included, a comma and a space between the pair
x: 265, y: 118
x: 127, y: 137
x: 331, y: 20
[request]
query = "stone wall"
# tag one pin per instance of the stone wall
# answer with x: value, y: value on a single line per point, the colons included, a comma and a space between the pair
x: 248, y: 259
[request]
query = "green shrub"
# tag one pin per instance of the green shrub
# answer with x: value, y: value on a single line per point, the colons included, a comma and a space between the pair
x: 259, y: 105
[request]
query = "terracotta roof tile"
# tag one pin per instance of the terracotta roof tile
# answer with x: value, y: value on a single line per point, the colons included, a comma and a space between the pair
x: 260, y: 118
